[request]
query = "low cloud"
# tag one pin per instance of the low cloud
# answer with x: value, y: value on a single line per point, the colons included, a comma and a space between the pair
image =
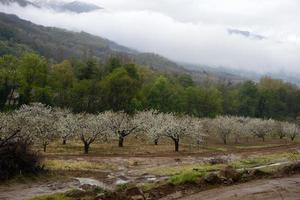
x: 195, y: 34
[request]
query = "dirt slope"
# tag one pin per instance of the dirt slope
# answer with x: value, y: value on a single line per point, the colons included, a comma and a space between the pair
x: 274, y: 189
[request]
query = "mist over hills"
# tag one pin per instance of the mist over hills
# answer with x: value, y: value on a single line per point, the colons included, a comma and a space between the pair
x: 58, y: 6
x: 22, y: 3
x: 19, y: 35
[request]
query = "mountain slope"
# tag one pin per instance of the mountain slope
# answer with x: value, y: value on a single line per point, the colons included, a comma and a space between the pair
x: 17, y: 36
x: 80, y: 7
x: 74, y: 6
x: 22, y: 3
x: 59, y: 6
x: 60, y: 44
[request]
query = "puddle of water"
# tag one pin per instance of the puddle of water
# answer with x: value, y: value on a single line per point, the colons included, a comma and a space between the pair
x: 93, y: 182
x: 121, y: 182
x: 265, y: 166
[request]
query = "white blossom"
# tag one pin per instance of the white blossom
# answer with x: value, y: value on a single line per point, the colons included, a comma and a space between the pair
x: 291, y: 130
x: 91, y: 128
x: 40, y: 122
x: 121, y: 124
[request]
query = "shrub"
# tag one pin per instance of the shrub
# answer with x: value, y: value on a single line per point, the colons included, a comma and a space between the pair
x: 18, y: 159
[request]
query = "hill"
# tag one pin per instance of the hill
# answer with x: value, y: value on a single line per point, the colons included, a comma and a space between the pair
x: 22, y: 3
x: 18, y: 35
x: 59, y: 6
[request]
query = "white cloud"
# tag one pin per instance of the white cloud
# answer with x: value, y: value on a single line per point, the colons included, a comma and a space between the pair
x: 193, y: 30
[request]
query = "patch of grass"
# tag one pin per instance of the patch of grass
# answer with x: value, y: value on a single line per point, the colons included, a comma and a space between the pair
x: 149, y: 186
x: 214, y: 149
x: 238, y: 164
x: 255, y: 146
x: 251, y: 162
x: 123, y: 187
x: 266, y: 160
x: 57, y: 196
x: 185, y: 177
x: 75, y: 165
x: 164, y: 171
x: 293, y: 156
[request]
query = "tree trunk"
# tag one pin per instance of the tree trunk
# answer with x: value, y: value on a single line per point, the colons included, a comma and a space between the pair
x: 45, y: 147
x: 236, y: 140
x: 121, y: 141
x: 86, y: 148
x: 281, y: 137
x: 247, y: 139
x: 263, y: 139
x: 225, y: 140
x: 176, y: 142
x: 64, y: 142
x: 156, y: 142
x: 292, y: 138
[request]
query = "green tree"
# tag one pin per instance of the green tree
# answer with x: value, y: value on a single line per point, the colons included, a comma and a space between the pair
x: 112, y: 64
x: 85, y: 97
x: 164, y: 96
x: 211, y: 102
x: 248, y: 98
x: 120, y: 88
x: 8, y: 79
x: 33, y: 73
x: 62, y: 80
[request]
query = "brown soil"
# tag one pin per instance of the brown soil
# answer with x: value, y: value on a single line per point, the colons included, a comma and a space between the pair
x: 131, y: 167
x: 273, y: 189
x: 230, y: 150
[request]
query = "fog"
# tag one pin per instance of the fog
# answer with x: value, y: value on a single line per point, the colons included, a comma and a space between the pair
x: 193, y: 31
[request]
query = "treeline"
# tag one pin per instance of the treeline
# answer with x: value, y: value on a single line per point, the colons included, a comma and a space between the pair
x: 93, y: 86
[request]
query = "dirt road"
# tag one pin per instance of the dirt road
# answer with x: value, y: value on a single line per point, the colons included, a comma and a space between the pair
x: 274, y: 189
x: 132, y: 169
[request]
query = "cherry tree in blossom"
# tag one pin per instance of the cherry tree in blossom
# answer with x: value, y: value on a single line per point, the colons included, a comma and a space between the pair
x: 290, y: 130
x: 261, y: 128
x: 40, y: 122
x: 153, y: 124
x: 122, y: 125
x: 66, y: 124
x: 224, y: 127
x: 177, y: 127
x: 91, y: 128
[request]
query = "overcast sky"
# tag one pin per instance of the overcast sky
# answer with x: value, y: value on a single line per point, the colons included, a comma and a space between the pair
x: 194, y: 31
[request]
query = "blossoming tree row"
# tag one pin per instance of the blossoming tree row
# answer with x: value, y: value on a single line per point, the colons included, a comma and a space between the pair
x: 40, y: 124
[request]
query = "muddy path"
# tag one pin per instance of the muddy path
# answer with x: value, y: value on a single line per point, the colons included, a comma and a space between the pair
x: 230, y: 150
x: 29, y: 190
x: 274, y: 189
x: 127, y: 169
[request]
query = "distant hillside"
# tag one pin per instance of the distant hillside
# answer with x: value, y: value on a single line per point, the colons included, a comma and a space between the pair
x: 17, y: 36
x: 22, y: 3
x: 53, y: 42
x: 57, y: 5
x: 74, y: 6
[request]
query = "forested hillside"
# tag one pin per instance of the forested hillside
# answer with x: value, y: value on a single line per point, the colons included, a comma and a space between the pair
x: 88, y: 85
x: 18, y: 36
x: 92, y: 74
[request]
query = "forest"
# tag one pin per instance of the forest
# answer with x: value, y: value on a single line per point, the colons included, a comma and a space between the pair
x: 118, y: 84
